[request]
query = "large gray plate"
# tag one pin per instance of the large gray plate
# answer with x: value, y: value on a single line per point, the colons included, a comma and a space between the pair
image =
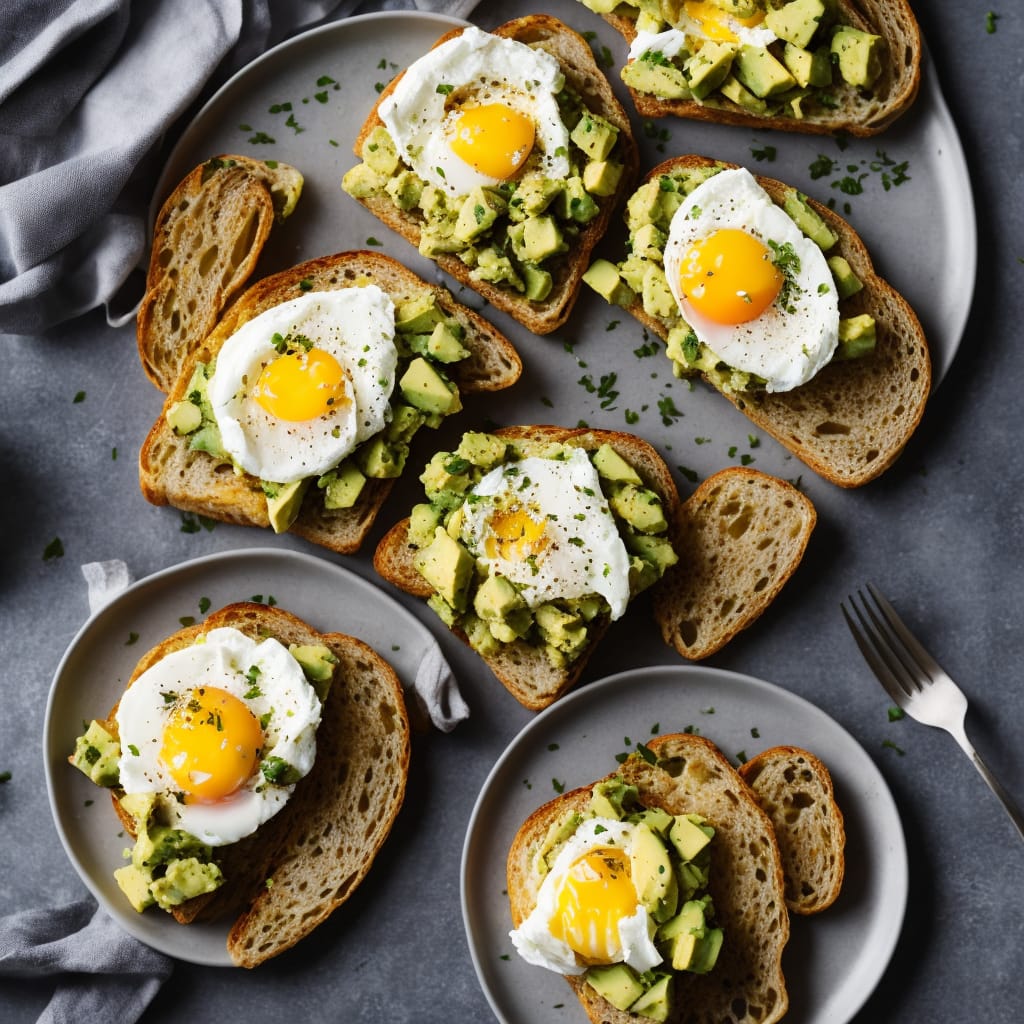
x: 833, y: 960
x: 92, y: 675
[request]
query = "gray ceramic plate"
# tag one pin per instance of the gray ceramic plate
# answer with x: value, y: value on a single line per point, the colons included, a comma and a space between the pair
x: 93, y: 671
x: 833, y: 960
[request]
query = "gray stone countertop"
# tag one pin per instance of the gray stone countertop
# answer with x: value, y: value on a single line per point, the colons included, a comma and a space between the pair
x: 941, y: 533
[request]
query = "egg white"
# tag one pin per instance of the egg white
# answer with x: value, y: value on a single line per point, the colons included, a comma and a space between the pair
x: 221, y: 658
x: 586, y: 554
x: 533, y: 939
x: 473, y: 68
x: 785, y: 347
x: 357, y: 327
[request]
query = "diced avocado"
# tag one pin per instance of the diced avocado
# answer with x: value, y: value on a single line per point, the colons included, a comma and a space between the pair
x: 362, y: 181
x: 808, y: 221
x: 134, y: 883
x: 602, y: 177
x: 379, y: 151
x: 642, y: 206
x: 601, y: 6
x: 859, y: 55
x: 184, y: 880
x: 284, y: 501
x: 496, y: 598
x: 445, y: 472
x: 423, y: 387
x: 479, y: 211
x: 692, y: 877
x: 534, y: 194
x: 688, y: 837
x: 445, y: 345
x: 808, y: 67
x: 652, y: 873
x: 405, y: 189
x: 381, y: 459
x: 419, y: 315
x: 536, y: 281
x: 760, y: 72
x: 514, y: 626
x: 648, y: 241
x: 640, y: 507
x: 657, y: 1002
x: 612, y: 466
x: 856, y: 336
x: 663, y: 80
x: 657, y: 819
x: 683, y: 933
x: 424, y: 519
x: 96, y: 754
x: 442, y: 609
x: 558, y: 832
x: 561, y: 630
x: 342, y: 485
x: 448, y: 567
x: 207, y: 439
x: 657, y: 297
x: 657, y: 551
x: 160, y: 844
x: 618, y: 984
x: 184, y: 417
x: 139, y: 806
x: 496, y: 267
x: 739, y: 8
x: 797, y: 21
x: 632, y: 271
x: 589, y: 606
x: 603, y: 277
x: 483, y: 450
x: 479, y: 634
x: 668, y: 202
x: 732, y: 89
x: 317, y: 661
x: 612, y: 798
x: 847, y: 282
x: 542, y: 237
x: 707, y: 68
x: 575, y: 203
x: 705, y: 953
x: 594, y: 135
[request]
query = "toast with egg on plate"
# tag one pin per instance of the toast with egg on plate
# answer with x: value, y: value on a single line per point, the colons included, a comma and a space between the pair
x: 276, y: 877
x: 531, y: 571
x: 795, y: 790
x: 844, y: 385
x: 206, y: 241
x: 511, y: 219
x: 720, y: 863
x: 814, y: 66
x: 407, y: 351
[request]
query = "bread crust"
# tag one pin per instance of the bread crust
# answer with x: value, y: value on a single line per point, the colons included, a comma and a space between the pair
x: 581, y: 71
x: 746, y: 882
x: 171, y: 474
x: 852, y: 420
x: 363, y: 735
x: 855, y: 114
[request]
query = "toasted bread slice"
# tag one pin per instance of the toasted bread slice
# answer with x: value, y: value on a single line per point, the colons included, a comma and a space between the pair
x: 795, y: 790
x: 852, y: 420
x: 170, y: 473
x: 321, y: 845
x: 740, y: 537
x: 746, y: 985
x: 206, y: 242
x: 582, y: 73
x: 855, y: 111
x: 737, y: 506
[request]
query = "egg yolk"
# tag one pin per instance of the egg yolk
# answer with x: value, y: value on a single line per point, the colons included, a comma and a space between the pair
x: 493, y: 139
x: 596, y: 894
x: 300, y: 386
x: 515, y: 535
x: 211, y: 745
x: 729, y: 277
x: 717, y: 24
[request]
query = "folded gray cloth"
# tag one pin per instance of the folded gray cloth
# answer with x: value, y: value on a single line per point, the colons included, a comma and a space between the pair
x: 106, y: 975
x: 87, y: 90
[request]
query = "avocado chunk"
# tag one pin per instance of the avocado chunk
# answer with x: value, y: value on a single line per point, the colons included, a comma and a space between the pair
x: 139, y: 806
x: 448, y: 567
x: 602, y: 177
x: 856, y: 336
x: 381, y: 459
x: 419, y: 315
x: 859, y: 55
x: 496, y: 598
x: 683, y: 932
x: 445, y: 472
x: 617, y: 983
x: 482, y: 207
x: 611, y: 798
x: 649, y: 241
x: 534, y: 194
x: 423, y: 386
x: 603, y: 277
x: 405, y: 189
x: 318, y: 662
x: 379, y: 151
x: 184, y: 880
x: 707, y: 68
x: 483, y: 450
x: 445, y: 343
x: 688, y: 837
x: 847, y: 282
x: 797, y: 21
x: 640, y: 507
x: 184, y: 417
x: 594, y: 135
x: 362, y: 181
x: 284, y: 502
x: 575, y: 203
x: 342, y: 486
x: 424, y: 519
x: 134, y: 883
x: 657, y: 1002
x: 733, y: 89
x: 207, y: 439
x: 656, y: 551
x: 705, y: 953
x: 612, y: 466
x: 542, y: 238
x: 761, y: 72
x: 537, y: 282
x: 656, y: 295
x: 657, y: 819
x: 160, y: 844
x: 664, y: 80
x: 808, y: 220
x: 808, y: 67
x: 558, y: 832
x: 96, y: 754
x: 653, y: 877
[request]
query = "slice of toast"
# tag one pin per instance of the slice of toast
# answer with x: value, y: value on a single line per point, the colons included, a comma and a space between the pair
x: 586, y: 78
x: 854, y: 111
x: 682, y: 608
x: 746, y: 986
x: 170, y: 473
x: 206, y: 241
x: 852, y: 420
x: 298, y: 867
x: 795, y: 790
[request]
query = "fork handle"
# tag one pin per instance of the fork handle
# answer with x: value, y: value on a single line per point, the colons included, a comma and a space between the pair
x: 1012, y: 809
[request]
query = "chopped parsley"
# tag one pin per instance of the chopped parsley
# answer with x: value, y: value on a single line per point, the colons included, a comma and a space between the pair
x: 764, y: 153
x: 558, y: 786
x: 892, y: 746
x: 55, y: 549
x: 187, y: 620
x: 79, y: 397
x: 990, y: 22
x: 204, y: 604
x: 133, y: 637
x: 895, y: 713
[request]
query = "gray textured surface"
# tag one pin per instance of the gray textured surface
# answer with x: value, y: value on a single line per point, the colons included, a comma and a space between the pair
x: 941, y: 533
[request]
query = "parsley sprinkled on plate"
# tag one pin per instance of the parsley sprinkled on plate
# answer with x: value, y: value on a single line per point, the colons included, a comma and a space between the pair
x: 55, y: 549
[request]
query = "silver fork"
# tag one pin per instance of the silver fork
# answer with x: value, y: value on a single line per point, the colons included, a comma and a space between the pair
x: 914, y: 680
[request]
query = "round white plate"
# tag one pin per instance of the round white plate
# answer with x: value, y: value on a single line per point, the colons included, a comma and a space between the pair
x: 833, y: 960
x: 92, y: 674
